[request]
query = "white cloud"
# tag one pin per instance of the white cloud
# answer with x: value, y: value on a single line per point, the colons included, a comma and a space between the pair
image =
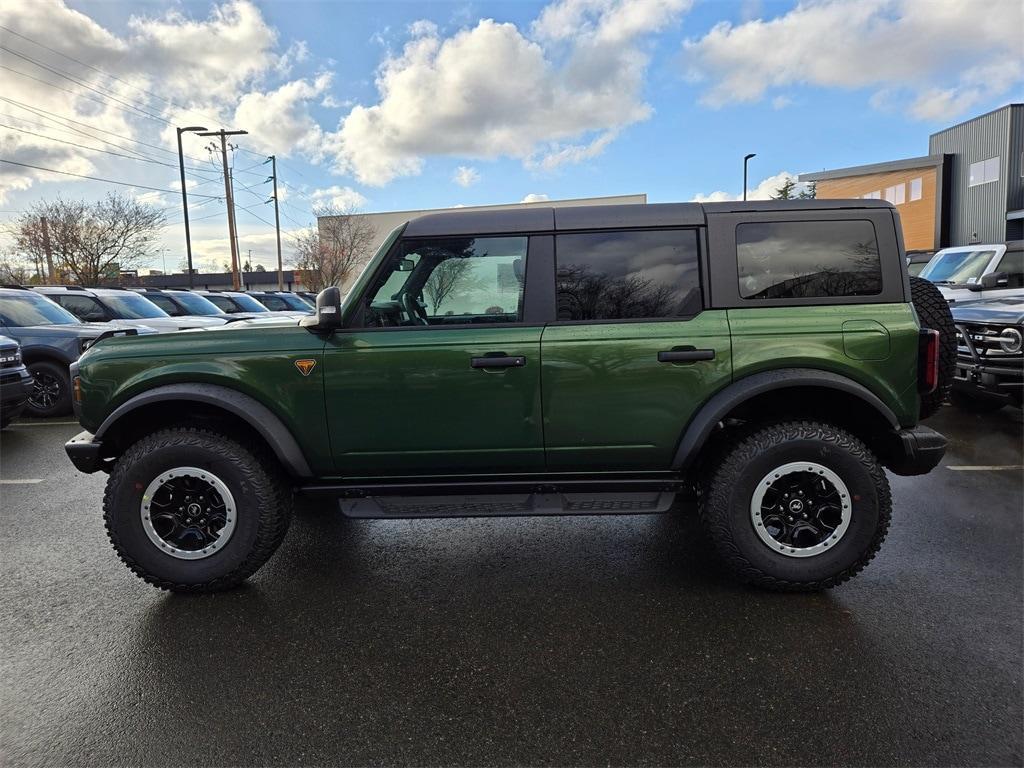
x: 559, y: 95
x: 765, y: 190
x: 937, y: 58
x: 279, y: 120
x: 343, y: 198
x: 466, y: 176
x: 535, y: 197
x: 781, y: 102
x: 208, y: 67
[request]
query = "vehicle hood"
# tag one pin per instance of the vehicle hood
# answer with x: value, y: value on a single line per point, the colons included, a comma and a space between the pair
x: 83, y: 331
x: 1004, y: 309
x: 166, y: 324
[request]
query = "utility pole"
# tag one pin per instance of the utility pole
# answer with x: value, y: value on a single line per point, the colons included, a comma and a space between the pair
x: 277, y: 222
x: 46, y: 247
x: 184, y: 197
x: 236, y: 261
x: 229, y: 194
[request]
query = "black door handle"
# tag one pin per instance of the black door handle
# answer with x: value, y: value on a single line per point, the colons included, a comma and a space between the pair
x: 498, y: 361
x: 685, y: 355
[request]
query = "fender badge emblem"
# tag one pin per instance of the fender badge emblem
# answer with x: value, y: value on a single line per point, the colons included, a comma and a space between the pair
x: 305, y: 366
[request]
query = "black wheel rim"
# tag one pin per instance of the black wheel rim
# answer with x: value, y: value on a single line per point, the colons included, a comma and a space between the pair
x: 188, y: 513
x: 47, y: 390
x: 801, y: 509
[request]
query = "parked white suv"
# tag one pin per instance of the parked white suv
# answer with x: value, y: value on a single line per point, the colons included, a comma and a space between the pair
x: 972, y: 272
x: 121, y: 308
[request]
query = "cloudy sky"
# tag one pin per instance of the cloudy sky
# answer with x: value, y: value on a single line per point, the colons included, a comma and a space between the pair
x: 394, y: 105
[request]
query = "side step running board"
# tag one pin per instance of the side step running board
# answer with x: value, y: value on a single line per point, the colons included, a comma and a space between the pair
x: 508, y: 505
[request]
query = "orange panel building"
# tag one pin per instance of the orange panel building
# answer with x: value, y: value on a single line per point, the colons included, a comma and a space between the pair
x: 916, y: 186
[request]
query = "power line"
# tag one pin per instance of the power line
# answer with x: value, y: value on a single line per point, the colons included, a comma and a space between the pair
x: 97, y: 178
x: 107, y: 74
x: 91, y: 149
x: 66, y: 76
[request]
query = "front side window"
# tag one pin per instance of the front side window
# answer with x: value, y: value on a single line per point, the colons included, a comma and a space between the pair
x: 243, y: 302
x: 165, y: 304
x: 23, y: 311
x: 475, y: 280
x: 807, y: 259
x: 84, y: 307
x: 627, y: 275
x: 194, y: 305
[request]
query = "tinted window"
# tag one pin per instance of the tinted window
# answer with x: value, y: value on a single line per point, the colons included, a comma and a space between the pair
x: 807, y: 259
x: 452, y: 281
x: 274, y: 303
x: 131, y: 306
x: 225, y: 304
x: 194, y: 305
x: 627, y: 275
x: 165, y: 304
x: 84, y: 307
x: 246, y: 303
x: 1012, y: 263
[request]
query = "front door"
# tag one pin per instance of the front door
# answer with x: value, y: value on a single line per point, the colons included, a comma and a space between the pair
x: 631, y: 355
x: 442, y: 376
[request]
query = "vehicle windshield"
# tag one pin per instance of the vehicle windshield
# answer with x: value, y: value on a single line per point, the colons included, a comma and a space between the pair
x: 131, y: 306
x: 33, y: 309
x: 197, y: 305
x: 248, y: 303
x: 957, y: 267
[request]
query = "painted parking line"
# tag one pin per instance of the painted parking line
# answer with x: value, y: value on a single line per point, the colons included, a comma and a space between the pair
x: 986, y: 467
x: 20, y: 482
x: 42, y: 423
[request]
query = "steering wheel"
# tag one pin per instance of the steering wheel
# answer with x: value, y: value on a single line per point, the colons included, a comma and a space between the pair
x: 415, y: 308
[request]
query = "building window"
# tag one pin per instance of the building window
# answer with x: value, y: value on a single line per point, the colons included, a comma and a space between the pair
x: 876, y: 195
x: 984, y: 171
x: 916, y: 186
x: 807, y: 259
x: 897, y: 194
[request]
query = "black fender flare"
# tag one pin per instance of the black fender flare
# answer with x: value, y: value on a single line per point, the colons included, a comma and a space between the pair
x: 251, y: 411
x: 714, y: 410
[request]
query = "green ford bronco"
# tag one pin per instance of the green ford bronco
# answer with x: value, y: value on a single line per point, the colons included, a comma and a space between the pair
x: 767, y: 359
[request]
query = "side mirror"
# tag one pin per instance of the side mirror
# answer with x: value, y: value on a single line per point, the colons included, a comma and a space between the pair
x: 327, y: 316
x: 994, y: 280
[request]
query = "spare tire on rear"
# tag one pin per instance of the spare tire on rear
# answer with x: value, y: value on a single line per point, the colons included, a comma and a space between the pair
x: 933, y: 312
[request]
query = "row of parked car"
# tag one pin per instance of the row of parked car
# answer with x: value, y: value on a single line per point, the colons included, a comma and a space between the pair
x: 984, y: 285
x: 43, y: 329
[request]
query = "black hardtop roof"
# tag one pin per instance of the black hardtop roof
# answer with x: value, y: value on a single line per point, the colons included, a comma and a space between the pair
x: 514, y: 220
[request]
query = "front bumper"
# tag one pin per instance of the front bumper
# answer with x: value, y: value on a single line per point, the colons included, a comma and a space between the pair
x: 915, y: 451
x: 87, y: 454
x: 15, y: 387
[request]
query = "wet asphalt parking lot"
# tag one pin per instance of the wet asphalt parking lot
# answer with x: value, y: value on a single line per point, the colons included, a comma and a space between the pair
x: 561, y: 641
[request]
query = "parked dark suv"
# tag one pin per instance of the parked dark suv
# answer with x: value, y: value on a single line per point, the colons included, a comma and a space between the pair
x: 15, y: 381
x: 770, y: 358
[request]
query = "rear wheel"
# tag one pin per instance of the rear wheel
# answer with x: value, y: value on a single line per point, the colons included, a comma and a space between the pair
x: 800, y: 506
x: 192, y: 510
x: 933, y: 312
x: 51, y: 389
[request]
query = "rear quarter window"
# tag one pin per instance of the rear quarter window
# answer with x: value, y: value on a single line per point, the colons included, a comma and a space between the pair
x: 807, y: 259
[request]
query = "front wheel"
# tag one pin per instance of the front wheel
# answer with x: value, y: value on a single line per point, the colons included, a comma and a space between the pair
x: 51, y: 390
x: 800, y: 506
x: 191, y: 510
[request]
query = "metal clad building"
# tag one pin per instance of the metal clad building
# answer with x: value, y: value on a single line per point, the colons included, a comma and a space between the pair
x: 985, y: 186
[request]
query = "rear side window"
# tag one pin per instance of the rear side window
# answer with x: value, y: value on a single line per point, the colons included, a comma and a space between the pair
x: 807, y: 259
x: 627, y: 275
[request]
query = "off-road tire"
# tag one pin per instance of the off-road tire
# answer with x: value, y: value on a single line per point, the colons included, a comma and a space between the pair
x: 725, y: 506
x: 263, y: 507
x: 933, y: 312
x: 60, y: 375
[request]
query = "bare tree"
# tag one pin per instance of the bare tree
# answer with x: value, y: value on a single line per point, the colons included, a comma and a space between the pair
x: 447, y: 277
x: 14, y: 270
x: 335, y: 250
x: 90, y: 242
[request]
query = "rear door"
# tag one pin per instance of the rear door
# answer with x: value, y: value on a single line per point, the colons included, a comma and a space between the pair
x: 632, y: 353
x: 442, y: 376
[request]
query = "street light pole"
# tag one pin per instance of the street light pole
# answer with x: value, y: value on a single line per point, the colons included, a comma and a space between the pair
x: 746, y: 159
x: 184, y: 197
